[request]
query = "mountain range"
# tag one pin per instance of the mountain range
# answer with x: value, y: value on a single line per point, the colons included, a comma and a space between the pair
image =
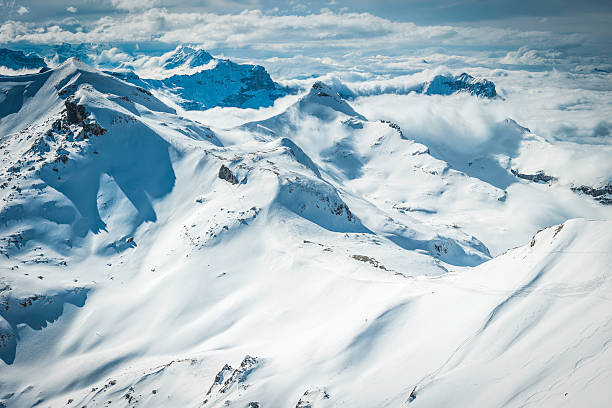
x: 315, y: 256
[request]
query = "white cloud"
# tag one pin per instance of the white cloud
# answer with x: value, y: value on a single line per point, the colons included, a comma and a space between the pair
x: 526, y: 56
x: 131, y: 5
x: 22, y: 10
x: 71, y: 9
x: 325, y: 31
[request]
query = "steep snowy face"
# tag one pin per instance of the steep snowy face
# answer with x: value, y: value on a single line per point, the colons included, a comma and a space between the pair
x: 18, y: 60
x: 321, y: 99
x: 447, y: 85
x: 78, y: 134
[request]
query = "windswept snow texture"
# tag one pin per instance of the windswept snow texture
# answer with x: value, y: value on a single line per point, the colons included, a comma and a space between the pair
x: 321, y: 253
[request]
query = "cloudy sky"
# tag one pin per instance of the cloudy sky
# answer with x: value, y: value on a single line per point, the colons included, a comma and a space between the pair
x: 537, y: 32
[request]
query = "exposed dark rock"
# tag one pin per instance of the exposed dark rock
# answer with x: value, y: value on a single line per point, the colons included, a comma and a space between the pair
x: 394, y: 126
x: 310, y: 397
x: 601, y: 194
x: 371, y: 261
x: 77, y: 115
x: 412, y: 396
x: 339, y: 208
x: 226, y: 174
x: 538, y: 177
x: 224, y: 382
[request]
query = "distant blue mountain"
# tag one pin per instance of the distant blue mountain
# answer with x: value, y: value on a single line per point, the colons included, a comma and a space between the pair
x: 448, y: 85
x: 219, y: 82
x: 19, y: 60
x: 438, y: 85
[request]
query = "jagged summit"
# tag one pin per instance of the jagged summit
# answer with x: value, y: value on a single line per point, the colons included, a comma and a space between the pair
x: 448, y: 84
x: 323, y: 95
x: 225, y: 84
x: 187, y: 57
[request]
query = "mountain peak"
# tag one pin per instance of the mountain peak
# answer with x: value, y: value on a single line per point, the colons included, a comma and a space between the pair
x: 464, y: 82
x: 323, y: 94
x: 187, y: 56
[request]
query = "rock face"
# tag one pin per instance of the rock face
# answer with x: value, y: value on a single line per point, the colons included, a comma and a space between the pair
x: 231, y: 383
x: 19, y: 60
x: 77, y: 115
x: 448, y: 85
x: 226, y: 174
x: 601, y: 194
x: 538, y: 177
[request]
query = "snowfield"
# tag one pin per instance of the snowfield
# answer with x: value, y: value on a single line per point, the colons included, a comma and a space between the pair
x: 319, y: 253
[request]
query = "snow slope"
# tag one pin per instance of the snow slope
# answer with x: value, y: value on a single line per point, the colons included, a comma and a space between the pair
x: 315, y: 258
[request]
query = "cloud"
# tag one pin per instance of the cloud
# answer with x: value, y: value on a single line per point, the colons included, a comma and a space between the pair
x: 326, y: 31
x: 22, y: 10
x: 526, y: 56
x: 132, y: 5
x: 71, y: 9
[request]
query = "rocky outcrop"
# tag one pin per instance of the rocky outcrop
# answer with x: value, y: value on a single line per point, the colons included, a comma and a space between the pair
x: 601, y: 194
x: 77, y: 115
x: 538, y: 177
x: 228, y: 381
x: 311, y: 398
x: 394, y: 126
x: 226, y: 174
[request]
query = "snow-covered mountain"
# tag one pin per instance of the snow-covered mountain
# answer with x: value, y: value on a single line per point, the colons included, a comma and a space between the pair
x: 187, y: 57
x: 225, y: 83
x: 18, y: 60
x: 315, y: 257
x: 448, y: 85
x: 195, y: 80
x: 191, y: 77
x: 440, y: 84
